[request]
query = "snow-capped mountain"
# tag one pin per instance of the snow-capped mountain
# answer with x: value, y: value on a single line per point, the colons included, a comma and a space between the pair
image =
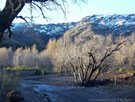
x: 39, y: 34
x: 124, y: 23
x: 51, y: 30
x: 117, y: 24
x: 111, y: 20
x: 24, y: 34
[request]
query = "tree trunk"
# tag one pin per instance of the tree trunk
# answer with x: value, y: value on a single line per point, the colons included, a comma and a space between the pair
x: 98, y: 71
x: 61, y: 71
x: 75, y: 78
x: 90, y: 75
x: 8, y: 14
x: 86, y: 74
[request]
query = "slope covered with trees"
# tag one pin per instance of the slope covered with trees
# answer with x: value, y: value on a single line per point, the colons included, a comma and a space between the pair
x: 81, y: 51
x: 39, y: 34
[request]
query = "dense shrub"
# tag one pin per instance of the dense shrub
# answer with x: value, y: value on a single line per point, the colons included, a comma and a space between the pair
x: 56, y: 55
x: 65, y: 47
x: 10, y: 82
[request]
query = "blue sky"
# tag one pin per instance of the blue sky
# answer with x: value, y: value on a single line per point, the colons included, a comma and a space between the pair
x: 75, y: 13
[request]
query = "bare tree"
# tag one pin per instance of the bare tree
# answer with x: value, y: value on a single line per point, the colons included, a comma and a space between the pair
x: 87, y: 65
x: 13, y: 7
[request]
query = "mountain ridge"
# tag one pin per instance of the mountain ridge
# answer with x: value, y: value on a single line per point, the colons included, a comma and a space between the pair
x: 40, y: 34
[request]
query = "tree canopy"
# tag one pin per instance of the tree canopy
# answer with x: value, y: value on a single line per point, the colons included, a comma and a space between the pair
x: 13, y: 7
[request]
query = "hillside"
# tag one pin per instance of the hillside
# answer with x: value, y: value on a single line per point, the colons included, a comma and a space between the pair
x: 39, y: 34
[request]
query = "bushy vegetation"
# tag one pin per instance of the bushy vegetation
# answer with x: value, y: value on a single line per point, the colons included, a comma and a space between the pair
x: 71, y: 54
x: 58, y: 52
x: 10, y: 82
x: 24, y: 59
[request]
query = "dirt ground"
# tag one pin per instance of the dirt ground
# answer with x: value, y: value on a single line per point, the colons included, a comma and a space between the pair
x: 62, y: 89
x: 56, y: 88
x: 56, y: 79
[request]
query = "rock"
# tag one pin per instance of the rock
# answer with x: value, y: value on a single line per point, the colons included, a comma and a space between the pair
x: 15, y: 96
x: 133, y: 75
x: 40, y: 72
x: 37, y: 72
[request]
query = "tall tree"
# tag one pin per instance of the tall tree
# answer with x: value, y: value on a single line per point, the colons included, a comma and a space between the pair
x: 13, y: 7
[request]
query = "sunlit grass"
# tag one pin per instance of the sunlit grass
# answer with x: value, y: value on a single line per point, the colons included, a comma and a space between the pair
x: 21, y: 68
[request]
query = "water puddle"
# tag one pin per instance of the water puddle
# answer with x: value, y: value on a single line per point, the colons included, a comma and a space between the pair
x: 41, y: 86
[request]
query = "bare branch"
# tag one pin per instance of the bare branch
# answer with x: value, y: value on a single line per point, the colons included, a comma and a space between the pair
x: 92, y: 56
x: 107, y: 53
x: 40, y: 8
x: 42, y: 0
x: 23, y: 18
x: 59, y: 5
x: 10, y: 32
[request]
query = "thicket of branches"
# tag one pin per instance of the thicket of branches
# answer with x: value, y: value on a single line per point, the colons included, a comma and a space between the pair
x: 29, y: 57
x: 61, y: 49
x: 86, y: 60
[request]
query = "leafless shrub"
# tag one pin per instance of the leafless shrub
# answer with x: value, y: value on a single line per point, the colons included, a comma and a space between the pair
x: 31, y: 57
x: 86, y: 60
x: 6, y: 56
